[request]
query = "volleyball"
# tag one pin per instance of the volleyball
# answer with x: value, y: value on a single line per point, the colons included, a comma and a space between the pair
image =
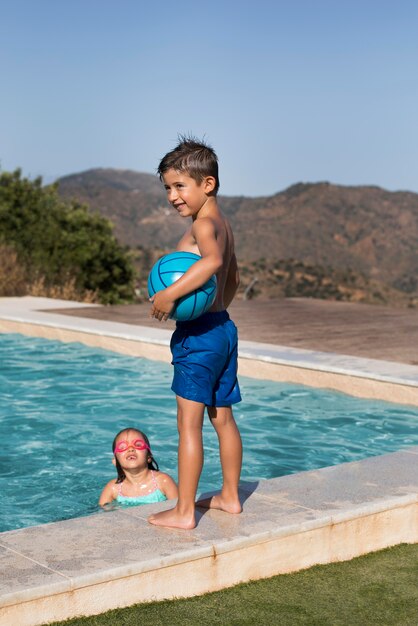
x: 170, y: 268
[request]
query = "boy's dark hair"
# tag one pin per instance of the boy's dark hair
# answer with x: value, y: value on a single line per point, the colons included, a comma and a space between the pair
x: 152, y: 463
x: 192, y: 157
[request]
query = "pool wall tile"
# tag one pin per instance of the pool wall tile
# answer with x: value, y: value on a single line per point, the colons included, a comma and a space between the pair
x: 376, y: 388
x: 113, y: 543
x: 26, y: 575
x: 344, y: 486
x: 373, y: 530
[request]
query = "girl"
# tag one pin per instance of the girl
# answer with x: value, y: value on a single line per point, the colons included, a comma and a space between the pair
x: 139, y: 481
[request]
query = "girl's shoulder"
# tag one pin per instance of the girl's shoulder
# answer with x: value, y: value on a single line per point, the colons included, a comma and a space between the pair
x: 166, y: 484
x: 160, y: 476
x: 111, y: 486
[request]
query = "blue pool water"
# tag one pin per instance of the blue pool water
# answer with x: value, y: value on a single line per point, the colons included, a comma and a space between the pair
x: 61, y: 405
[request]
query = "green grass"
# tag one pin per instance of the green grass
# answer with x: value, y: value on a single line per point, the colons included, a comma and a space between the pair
x: 379, y: 588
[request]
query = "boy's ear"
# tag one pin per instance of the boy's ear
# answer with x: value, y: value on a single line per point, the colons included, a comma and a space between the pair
x: 209, y: 184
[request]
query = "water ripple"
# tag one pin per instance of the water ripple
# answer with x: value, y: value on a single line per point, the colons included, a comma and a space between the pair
x: 61, y: 404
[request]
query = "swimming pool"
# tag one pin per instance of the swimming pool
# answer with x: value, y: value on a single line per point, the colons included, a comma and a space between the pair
x: 61, y: 404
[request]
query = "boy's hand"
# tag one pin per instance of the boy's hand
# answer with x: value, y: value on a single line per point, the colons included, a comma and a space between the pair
x: 162, y: 305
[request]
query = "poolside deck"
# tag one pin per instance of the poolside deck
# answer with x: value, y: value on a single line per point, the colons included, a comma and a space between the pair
x: 108, y: 560
x: 361, y: 330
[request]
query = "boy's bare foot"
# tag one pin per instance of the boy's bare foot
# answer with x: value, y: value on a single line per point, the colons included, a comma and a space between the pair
x: 222, y: 504
x: 173, y: 519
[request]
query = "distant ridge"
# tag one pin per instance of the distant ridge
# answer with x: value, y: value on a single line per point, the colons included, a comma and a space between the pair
x: 122, y: 180
x: 366, y: 228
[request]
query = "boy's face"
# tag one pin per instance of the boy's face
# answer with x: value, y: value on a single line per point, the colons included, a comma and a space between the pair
x: 185, y: 194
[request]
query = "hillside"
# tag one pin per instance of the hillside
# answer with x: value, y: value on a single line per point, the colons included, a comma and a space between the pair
x: 134, y: 202
x: 367, y: 230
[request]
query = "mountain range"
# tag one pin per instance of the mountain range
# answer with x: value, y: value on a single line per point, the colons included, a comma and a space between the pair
x: 364, y: 230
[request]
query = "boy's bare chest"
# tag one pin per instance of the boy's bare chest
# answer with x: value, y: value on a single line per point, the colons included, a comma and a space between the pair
x: 188, y: 243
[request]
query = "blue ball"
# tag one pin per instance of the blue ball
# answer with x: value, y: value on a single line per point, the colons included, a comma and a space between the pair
x: 170, y: 268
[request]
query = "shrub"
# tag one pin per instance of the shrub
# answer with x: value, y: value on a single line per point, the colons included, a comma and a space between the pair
x: 61, y: 245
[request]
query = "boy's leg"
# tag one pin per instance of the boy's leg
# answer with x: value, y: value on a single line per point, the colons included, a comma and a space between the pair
x: 190, y: 462
x: 230, y: 451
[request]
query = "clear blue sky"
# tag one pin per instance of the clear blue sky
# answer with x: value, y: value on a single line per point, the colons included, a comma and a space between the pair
x: 285, y: 90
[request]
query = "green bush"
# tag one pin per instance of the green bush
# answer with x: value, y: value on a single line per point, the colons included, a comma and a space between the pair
x: 59, y: 241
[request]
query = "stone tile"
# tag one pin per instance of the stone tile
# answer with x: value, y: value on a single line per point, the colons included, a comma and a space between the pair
x: 260, y: 516
x: 400, y: 504
x: 386, y: 371
x: 413, y: 450
x: 102, y: 544
x: 348, y: 485
x: 261, y: 519
x: 20, y: 575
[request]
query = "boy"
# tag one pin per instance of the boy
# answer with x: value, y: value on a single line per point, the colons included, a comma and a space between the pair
x: 204, y: 350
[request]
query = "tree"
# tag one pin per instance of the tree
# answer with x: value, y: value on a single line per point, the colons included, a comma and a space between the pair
x: 62, y: 241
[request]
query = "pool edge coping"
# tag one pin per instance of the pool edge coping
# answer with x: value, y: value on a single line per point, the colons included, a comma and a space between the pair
x: 323, y: 518
x: 352, y: 375
x: 331, y: 535
x: 330, y: 362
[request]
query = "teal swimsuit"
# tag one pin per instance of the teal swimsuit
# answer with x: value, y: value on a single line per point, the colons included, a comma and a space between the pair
x: 148, y: 498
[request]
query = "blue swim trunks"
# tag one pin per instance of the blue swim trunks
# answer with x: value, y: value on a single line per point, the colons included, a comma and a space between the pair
x: 205, y: 359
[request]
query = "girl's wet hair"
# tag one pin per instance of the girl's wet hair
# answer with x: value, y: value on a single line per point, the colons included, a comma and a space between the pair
x: 152, y: 463
x: 193, y: 158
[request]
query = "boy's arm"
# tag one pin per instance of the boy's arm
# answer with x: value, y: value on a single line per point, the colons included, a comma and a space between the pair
x: 232, y: 282
x: 204, y: 233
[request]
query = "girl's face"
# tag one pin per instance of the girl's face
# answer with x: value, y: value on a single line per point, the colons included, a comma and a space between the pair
x: 131, y: 449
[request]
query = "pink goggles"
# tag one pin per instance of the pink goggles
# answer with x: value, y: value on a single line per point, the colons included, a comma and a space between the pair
x: 138, y: 444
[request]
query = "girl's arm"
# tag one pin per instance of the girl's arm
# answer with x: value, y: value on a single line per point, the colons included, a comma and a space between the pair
x: 167, y: 485
x: 108, y: 493
x: 211, y: 261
